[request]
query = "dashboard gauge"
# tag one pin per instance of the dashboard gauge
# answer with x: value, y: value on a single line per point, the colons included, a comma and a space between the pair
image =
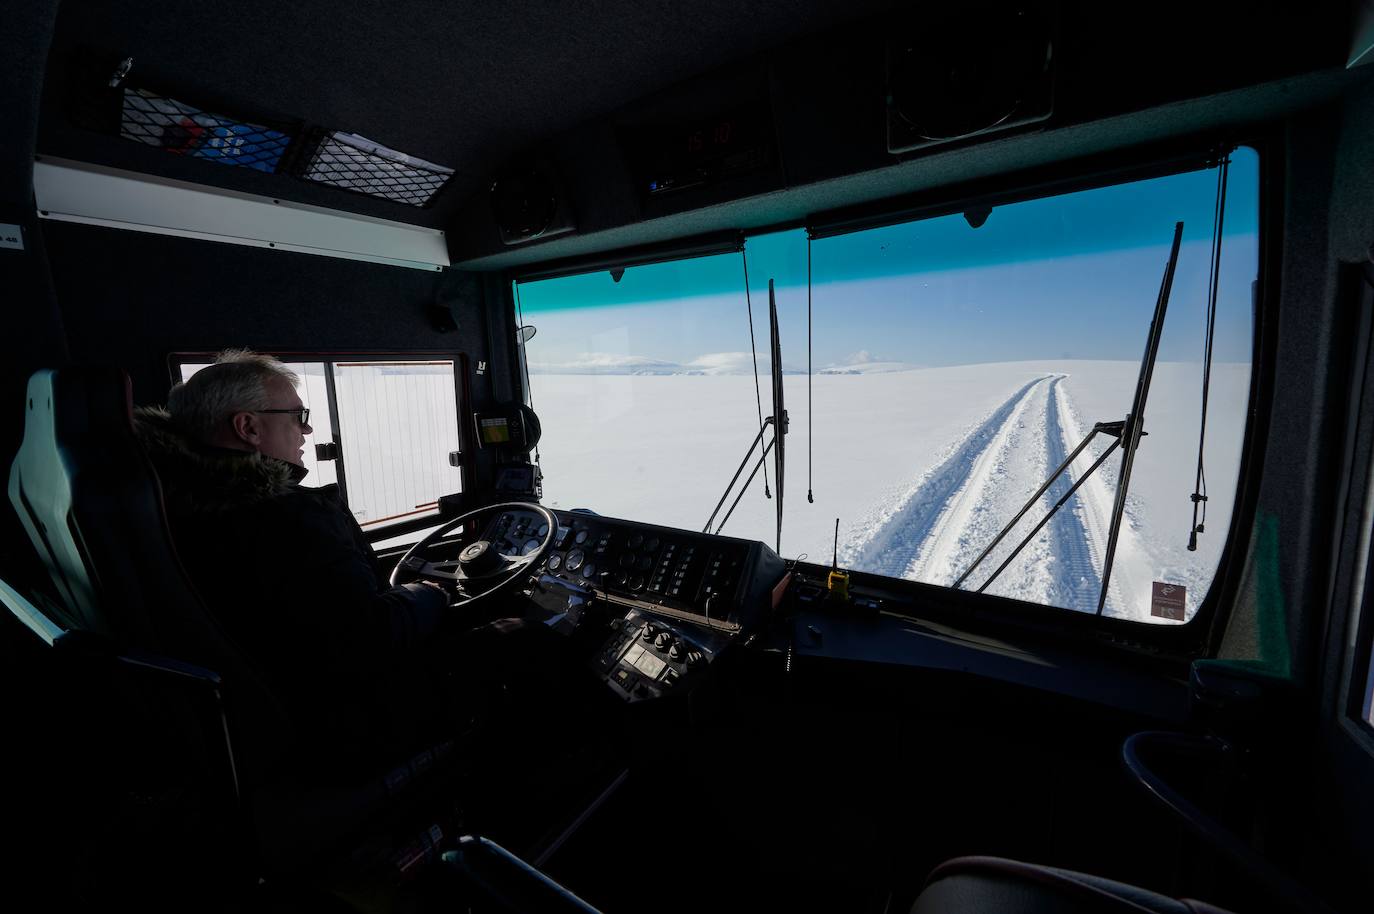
x: 645, y: 562
x: 532, y: 546
x: 581, y: 537
x: 636, y: 540
x: 588, y: 571
x: 574, y: 560
x: 555, y: 562
x: 637, y: 582
x: 652, y: 544
x: 627, y: 560
x: 543, y: 531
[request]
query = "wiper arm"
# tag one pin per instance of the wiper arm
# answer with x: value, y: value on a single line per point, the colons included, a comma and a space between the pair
x: 1135, y: 419
x: 768, y: 421
x: 777, y: 421
x: 1127, y: 433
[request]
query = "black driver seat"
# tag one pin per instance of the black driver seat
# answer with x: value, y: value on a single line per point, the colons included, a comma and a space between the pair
x: 91, y: 503
x: 993, y: 885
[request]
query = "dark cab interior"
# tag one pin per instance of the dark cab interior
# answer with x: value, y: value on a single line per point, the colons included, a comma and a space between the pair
x: 746, y: 737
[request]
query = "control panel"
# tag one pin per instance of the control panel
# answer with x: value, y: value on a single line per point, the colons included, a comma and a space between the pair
x: 648, y: 658
x: 718, y: 582
x: 681, y: 597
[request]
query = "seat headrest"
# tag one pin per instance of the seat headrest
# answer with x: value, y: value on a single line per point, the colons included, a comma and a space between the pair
x: 76, y: 422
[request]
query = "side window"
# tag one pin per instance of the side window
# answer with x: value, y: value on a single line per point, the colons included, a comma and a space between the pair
x: 398, y: 422
x: 384, y: 431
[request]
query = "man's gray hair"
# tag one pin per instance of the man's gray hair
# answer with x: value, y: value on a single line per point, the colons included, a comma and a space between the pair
x: 237, y: 382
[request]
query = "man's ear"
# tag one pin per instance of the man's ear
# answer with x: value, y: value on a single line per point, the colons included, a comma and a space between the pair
x: 246, y: 428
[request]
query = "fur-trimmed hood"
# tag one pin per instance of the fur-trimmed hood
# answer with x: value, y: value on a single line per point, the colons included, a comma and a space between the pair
x: 198, y: 479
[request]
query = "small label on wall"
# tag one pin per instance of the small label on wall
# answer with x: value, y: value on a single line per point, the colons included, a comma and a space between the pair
x: 1168, y: 601
x: 11, y: 237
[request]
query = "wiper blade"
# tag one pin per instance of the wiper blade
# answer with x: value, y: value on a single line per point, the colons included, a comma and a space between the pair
x: 1135, y: 419
x: 779, y: 413
x: 1127, y: 433
x: 777, y: 421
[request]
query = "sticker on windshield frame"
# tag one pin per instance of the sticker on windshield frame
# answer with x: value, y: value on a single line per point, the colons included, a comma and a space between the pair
x: 11, y: 236
x: 1168, y: 601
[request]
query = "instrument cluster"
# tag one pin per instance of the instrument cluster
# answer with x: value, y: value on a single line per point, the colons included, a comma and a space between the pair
x: 694, y: 576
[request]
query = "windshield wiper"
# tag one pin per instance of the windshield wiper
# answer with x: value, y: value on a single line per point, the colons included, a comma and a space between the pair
x: 779, y: 413
x: 777, y: 422
x: 1127, y: 433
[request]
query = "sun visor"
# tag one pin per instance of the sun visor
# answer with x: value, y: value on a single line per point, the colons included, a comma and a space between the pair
x: 95, y: 195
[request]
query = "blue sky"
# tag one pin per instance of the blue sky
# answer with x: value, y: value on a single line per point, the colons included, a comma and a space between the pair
x: 1063, y: 277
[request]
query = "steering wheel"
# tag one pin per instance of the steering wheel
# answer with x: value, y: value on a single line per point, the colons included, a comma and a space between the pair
x: 480, y: 571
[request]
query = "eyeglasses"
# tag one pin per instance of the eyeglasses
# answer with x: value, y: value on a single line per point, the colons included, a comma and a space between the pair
x: 302, y: 413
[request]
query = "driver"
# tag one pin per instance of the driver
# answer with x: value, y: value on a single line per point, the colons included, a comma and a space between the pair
x: 286, y: 570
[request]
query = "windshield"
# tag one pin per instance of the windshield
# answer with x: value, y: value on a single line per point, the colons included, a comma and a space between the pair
x: 952, y: 369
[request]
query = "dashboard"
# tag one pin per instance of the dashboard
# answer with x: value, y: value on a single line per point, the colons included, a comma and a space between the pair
x: 717, y: 582
x: 674, y: 611
x: 680, y: 598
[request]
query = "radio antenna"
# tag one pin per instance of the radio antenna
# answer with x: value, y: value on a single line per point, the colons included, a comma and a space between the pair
x: 835, y: 557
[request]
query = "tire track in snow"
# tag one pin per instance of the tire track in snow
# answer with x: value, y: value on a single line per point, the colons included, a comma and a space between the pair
x: 1094, y: 502
x: 897, y: 541
x: 1075, y: 579
x: 998, y: 483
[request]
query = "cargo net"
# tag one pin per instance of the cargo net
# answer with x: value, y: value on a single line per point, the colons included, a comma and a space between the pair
x: 356, y: 163
x: 183, y: 129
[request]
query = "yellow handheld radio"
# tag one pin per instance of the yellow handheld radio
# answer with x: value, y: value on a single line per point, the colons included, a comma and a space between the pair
x: 837, y: 584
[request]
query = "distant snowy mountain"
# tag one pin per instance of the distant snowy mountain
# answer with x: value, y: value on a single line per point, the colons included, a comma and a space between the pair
x: 718, y: 363
x: 714, y: 363
x: 606, y: 363
x: 868, y: 368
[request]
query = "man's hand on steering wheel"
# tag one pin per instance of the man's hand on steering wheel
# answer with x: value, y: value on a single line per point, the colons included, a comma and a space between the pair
x: 480, y: 571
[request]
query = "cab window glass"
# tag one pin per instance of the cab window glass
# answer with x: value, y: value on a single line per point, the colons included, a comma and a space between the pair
x: 948, y: 366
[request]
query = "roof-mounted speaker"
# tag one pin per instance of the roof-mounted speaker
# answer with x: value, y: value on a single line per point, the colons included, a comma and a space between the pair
x: 527, y: 202
x: 978, y: 70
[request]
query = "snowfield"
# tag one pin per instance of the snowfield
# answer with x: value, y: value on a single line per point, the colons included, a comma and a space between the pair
x: 923, y: 466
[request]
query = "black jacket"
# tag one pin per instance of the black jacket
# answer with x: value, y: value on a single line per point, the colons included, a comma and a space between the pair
x: 288, y: 573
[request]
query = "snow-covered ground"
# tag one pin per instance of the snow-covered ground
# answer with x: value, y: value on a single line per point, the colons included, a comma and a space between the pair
x: 921, y: 466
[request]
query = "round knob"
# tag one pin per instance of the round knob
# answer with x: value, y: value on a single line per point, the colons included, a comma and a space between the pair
x: 663, y: 641
x: 678, y: 651
x: 650, y: 632
x: 694, y: 657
